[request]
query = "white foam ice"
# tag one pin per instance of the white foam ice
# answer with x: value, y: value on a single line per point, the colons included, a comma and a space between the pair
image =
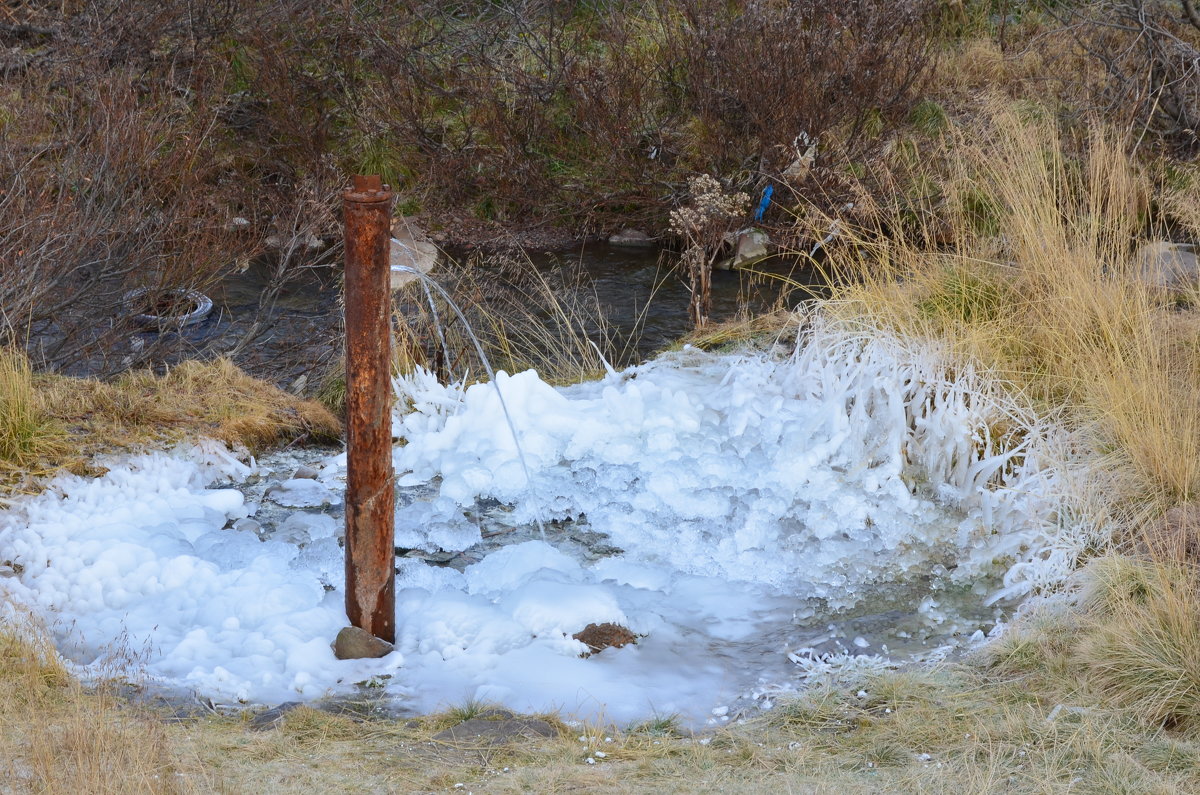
x: 743, y: 490
x: 862, y: 459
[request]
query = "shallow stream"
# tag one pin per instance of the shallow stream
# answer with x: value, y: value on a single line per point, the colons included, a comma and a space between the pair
x: 643, y: 300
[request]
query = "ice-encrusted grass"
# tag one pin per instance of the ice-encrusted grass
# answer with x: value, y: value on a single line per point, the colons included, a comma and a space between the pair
x: 1052, y: 292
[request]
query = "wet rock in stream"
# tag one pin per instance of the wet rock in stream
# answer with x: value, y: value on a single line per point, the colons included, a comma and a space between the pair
x: 598, y: 637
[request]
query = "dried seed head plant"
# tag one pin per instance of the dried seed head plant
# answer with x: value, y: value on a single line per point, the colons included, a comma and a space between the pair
x: 711, y: 213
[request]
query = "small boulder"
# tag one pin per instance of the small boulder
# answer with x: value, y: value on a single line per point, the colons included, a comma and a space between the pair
x: 1168, y: 266
x: 752, y: 246
x: 353, y: 643
x: 598, y: 637
x: 305, y: 472
x: 633, y: 238
x: 485, y: 732
x: 496, y: 713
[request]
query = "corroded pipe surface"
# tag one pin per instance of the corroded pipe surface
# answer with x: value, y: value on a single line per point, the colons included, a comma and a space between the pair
x: 370, y: 495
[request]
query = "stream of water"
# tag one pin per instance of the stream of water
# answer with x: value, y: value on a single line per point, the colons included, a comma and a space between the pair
x: 643, y: 299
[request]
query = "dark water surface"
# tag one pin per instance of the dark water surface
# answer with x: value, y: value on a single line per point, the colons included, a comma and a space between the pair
x: 646, y: 297
x: 643, y: 297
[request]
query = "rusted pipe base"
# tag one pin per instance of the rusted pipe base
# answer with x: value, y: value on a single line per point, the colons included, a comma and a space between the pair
x: 370, y: 494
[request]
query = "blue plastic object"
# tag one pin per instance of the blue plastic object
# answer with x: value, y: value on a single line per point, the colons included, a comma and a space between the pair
x: 764, y: 202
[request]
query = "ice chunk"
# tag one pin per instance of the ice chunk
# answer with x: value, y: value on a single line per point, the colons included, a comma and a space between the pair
x: 512, y: 566
x: 302, y: 527
x: 303, y: 493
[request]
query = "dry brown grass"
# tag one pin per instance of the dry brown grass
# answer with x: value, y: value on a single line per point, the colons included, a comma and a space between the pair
x: 1141, y: 639
x: 63, y: 423
x: 521, y: 317
x: 961, y: 729
x: 737, y: 331
x: 1131, y: 645
x: 57, y: 737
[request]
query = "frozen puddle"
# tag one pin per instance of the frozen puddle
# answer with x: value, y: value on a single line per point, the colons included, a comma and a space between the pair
x: 751, y: 518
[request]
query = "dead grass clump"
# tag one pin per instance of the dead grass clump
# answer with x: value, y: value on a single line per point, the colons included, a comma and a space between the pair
x: 313, y: 726
x: 83, y: 418
x: 1141, y: 646
x: 1173, y: 537
x: 777, y: 326
x: 31, y: 671
x: 26, y: 432
x: 91, y: 745
x: 1132, y: 645
x: 239, y: 409
x: 56, y: 736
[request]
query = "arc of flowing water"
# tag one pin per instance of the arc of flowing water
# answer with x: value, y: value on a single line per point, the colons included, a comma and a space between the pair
x: 426, y: 284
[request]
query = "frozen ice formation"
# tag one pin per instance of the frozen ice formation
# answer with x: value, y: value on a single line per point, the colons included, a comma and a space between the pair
x: 860, y: 460
x: 745, y: 491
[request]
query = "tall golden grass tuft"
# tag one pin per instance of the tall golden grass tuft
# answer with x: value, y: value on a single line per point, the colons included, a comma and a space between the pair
x: 57, y: 736
x: 214, y: 399
x: 51, y: 422
x: 1141, y: 640
x: 1037, y: 278
x: 26, y: 432
x: 30, y: 668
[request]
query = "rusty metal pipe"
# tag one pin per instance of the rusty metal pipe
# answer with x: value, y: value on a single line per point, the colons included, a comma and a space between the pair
x: 370, y: 494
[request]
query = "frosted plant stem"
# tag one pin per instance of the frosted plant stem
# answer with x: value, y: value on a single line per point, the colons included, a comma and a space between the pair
x: 427, y: 282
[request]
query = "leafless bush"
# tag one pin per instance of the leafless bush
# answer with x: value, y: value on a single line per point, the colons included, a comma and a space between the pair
x: 1150, y: 52
x: 522, y: 108
x: 106, y: 189
x: 757, y: 76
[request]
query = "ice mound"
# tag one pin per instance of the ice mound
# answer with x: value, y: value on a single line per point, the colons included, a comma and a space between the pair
x: 144, y: 566
x: 747, y: 492
x: 857, y: 461
x: 140, y: 562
